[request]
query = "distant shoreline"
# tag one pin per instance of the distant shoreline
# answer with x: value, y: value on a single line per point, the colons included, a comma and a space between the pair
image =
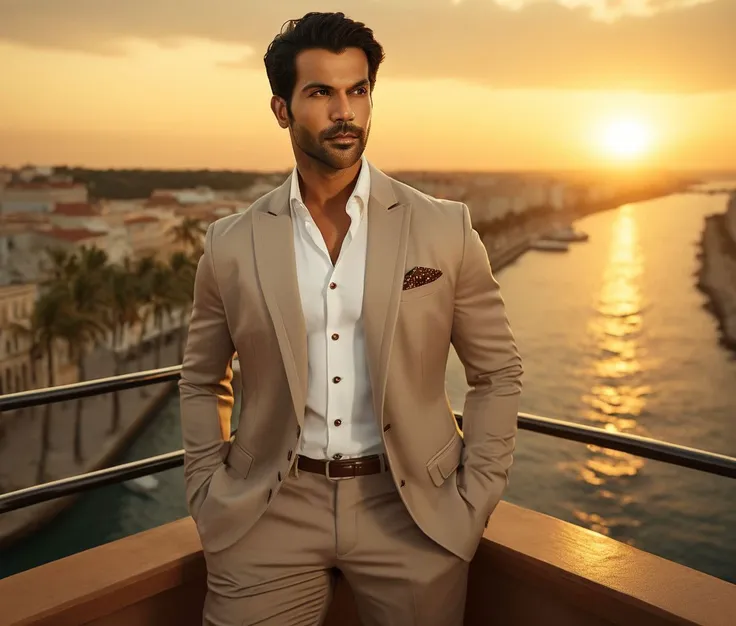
x: 500, y: 259
x: 716, y: 277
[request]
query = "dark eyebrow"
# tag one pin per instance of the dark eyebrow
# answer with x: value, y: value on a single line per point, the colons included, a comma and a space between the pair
x: 361, y: 83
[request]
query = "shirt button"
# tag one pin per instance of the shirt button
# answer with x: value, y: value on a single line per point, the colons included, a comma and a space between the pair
x: 337, y: 379
x: 335, y: 336
x: 333, y: 285
x: 337, y: 456
x: 338, y: 422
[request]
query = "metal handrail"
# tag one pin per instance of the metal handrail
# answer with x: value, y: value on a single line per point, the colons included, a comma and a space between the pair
x: 95, y: 387
x: 644, y: 447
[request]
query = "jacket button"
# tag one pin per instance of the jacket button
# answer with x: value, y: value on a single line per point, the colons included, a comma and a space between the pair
x: 335, y: 336
x: 333, y: 285
x: 403, y: 482
x: 298, y: 431
x: 338, y: 422
x: 270, y: 493
x: 279, y: 476
x: 336, y: 379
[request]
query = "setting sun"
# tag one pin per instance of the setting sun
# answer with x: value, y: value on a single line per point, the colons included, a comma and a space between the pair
x: 626, y: 138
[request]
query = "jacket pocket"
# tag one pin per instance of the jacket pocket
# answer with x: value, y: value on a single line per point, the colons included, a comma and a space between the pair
x: 445, y: 462
x: 423, y: 290
x: 239, y: 460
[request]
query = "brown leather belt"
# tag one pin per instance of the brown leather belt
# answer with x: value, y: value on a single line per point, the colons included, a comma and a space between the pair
x: 344, y: 468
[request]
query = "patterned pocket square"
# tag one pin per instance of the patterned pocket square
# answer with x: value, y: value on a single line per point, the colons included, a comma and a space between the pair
x: 419, y: 276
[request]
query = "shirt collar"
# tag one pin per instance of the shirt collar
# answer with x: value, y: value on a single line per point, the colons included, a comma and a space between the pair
x: 361, y: 193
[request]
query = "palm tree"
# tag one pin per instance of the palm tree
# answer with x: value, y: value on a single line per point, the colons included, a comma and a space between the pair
x: 190, y: 233
x: 93, y: 260
x: 183, y: 270
x: 79, y: 331
x: 46, y: 328
x: 59, y: 266
x: 142, y: 275
x: 121, y: 313
x: 85, y: 327
x: 162, y: 295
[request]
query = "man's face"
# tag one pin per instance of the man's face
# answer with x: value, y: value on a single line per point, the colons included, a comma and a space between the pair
x: 331, y: 98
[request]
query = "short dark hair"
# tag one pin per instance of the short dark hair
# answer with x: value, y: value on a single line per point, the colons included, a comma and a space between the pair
x: 330, y: 31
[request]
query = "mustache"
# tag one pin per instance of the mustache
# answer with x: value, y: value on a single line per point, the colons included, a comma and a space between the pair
x: 343, y: 129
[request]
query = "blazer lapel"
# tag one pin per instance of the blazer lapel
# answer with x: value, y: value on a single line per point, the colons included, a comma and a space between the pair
x: 273, y: 242
x: 388, y: 234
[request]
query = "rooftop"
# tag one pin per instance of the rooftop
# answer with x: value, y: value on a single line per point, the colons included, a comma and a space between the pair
x: 75, y: 209
x: 72, y: 235
x: 141, y: 219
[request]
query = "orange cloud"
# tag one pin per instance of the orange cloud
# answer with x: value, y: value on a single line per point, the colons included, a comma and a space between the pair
x: 682, y: 49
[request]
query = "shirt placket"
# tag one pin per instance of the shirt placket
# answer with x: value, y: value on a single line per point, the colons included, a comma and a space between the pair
x: 336, y: 365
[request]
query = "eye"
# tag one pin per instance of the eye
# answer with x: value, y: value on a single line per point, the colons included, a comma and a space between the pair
x: 324, y: 91
x: 363, y: 89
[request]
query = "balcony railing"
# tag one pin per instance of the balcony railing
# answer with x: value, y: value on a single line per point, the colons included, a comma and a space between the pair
x: 644, y: 447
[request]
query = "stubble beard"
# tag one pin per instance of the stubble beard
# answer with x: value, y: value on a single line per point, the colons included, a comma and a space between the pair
x: 332, y: 156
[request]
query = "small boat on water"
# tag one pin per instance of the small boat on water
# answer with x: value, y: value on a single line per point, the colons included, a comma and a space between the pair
x: 566, y: 234
x: 549, y: 245
x: 143, y: 484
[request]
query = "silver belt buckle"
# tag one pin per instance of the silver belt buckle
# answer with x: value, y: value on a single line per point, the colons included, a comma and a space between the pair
x: 327, y: 473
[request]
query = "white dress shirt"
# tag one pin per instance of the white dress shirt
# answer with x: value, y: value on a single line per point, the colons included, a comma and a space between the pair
x: 339, y: 422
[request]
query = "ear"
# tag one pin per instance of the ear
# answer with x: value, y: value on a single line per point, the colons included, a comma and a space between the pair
x: 278, y: 106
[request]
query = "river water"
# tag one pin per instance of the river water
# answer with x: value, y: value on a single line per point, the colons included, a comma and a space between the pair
x: 613, y: 334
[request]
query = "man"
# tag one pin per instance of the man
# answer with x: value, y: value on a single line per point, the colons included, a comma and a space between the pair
x: 341, y: 292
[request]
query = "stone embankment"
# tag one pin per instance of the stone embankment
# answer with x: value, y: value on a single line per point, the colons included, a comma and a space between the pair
x: 717, y: 275
x: 20, y: 440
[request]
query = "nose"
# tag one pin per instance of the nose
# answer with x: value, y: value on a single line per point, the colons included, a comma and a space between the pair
x: 342, y: 110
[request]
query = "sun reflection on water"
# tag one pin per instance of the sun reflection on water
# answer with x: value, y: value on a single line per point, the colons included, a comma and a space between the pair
x: 617, y: 396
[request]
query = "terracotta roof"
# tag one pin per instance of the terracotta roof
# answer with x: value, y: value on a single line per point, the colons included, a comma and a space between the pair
x: 75, y: 209
x: 72, y: 235
x: 23, y: 217
x: 141, y: 219
x: 161, y: 200
x: 206, y: 212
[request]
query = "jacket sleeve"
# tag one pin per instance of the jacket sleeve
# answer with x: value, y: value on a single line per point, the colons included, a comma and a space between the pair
x: 486, y: 347
x: 205, y: 387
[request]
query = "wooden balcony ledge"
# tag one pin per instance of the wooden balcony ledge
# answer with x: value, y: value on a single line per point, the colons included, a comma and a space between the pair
x: 529, y: 569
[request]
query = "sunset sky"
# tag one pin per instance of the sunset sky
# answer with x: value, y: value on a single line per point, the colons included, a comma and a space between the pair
x: 466, y: 85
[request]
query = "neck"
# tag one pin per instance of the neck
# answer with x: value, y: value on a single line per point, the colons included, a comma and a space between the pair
x: 324, y: 190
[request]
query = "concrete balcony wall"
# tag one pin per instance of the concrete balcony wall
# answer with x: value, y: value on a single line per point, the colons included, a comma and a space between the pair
x: 529, y: 569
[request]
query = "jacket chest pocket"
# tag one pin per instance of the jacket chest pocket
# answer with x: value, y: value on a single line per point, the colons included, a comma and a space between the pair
x: 417, y: 293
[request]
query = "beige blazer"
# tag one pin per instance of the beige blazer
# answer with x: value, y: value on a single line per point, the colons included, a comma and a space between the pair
x: 246, y: 300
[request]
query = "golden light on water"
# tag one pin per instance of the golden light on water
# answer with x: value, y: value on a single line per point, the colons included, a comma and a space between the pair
x: 617, y: 396
x: 615, y: 399
x: 626, y: 138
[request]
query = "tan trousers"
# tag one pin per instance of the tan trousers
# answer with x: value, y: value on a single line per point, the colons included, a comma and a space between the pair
x: 280, y: 573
